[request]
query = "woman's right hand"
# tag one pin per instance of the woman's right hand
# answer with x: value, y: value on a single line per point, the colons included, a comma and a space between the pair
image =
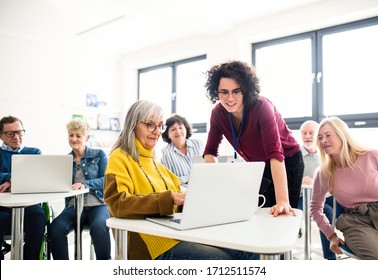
x: 335, y: 243
x: 178, y: 198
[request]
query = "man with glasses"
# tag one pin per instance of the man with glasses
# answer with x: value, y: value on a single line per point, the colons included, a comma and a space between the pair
x: 11, y: 133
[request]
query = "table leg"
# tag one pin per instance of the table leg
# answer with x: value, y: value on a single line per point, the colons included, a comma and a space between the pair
x: 79, y: 204
x: 270, y: 256
x: 288, y: 255
x: 120, y: 244
x: 17, y: 239
x: 307, y: 223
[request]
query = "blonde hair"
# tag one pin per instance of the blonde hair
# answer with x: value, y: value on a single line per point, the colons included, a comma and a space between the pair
x: 77, y: 124
x: 350, y: 150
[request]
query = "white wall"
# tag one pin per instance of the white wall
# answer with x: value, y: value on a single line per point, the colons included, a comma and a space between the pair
x: 45, y: 83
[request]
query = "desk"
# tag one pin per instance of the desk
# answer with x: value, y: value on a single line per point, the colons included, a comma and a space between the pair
x: 270, y: 236
x: 307, y: 192
x: 18, y: 202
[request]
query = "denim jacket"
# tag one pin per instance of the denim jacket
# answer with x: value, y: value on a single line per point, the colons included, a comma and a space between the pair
x: 93, y: 164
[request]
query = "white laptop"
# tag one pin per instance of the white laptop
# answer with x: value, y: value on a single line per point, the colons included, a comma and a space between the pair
x: 218, y: 194
x: 41, y: 173
x: 221, y: 159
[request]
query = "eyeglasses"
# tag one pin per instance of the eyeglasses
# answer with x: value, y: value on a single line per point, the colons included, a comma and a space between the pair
x: 11, y: 134
x: 235, y: 93
x: 151, y: 127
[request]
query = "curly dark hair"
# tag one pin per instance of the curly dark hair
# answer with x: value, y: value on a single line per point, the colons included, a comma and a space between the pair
x: 242, y: 73
x: 180, y: 120
x: 7, y: 120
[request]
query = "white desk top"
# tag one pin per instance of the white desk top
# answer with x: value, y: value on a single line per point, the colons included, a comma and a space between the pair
x: 23, y: 200
x: 263, y: 234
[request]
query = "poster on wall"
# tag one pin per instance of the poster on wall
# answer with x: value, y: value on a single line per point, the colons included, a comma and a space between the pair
x: 115, y: 124
x: 103, y: 122
x: 92, y: 100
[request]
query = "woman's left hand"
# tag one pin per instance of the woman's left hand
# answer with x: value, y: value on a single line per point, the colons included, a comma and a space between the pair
x: 78, y: 186
x: 282, y: 208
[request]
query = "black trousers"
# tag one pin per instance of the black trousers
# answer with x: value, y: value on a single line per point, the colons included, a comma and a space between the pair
x: 294, y: 172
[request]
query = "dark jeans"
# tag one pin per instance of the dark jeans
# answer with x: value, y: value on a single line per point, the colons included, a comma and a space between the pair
x: 34, y: 227
x: 328, y: 211
x: 195, y: 251
x: 65, y: 223
x: 294, y: 172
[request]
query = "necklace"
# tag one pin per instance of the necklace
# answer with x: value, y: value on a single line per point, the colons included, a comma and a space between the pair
x: 148, y: 178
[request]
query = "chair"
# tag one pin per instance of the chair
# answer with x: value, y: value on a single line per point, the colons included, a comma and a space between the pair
x: 337, y: 210
x: 92, y: 251
x: 45, y: 248
x: 348, y: 252
x: 85, y: 229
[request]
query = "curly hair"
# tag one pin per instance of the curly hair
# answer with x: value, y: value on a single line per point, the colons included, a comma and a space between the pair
x: 180, y: 120
x: 242, y: 73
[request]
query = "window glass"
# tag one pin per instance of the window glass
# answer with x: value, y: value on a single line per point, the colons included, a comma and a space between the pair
x: 286, y: 76
x: 350, y: 71
x: 179, y: 87
x: 156, y: 86
x: 325, y: 72
x: 191, y: 100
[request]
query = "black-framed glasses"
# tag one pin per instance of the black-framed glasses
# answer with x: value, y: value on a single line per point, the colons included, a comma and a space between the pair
x: 225, y: 93
x: 11, y: 134
x: 151, y: 127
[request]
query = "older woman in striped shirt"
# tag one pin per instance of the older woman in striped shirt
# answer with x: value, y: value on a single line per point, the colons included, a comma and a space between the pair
x: 179, y: 152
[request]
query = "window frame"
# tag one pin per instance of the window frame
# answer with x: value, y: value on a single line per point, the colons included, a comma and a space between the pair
x: 197, y: 127
x: 354, y: 120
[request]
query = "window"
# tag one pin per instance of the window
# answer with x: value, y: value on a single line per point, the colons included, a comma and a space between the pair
x: 322, y: 73
x: 179, y: 88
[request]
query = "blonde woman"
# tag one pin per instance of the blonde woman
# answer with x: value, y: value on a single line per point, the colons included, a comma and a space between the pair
x: 349, y: 171
x: 88, y: 172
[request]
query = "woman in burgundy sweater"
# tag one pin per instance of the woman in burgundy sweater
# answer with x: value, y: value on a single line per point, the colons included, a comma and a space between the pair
x: 256, y: 130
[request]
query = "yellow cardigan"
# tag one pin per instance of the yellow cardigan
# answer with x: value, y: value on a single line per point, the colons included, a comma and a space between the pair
x: 129, y: 194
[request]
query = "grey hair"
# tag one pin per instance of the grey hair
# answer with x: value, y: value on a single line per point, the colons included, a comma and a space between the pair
x: 309, y: 122
x: 77, y: 124
x: 140, y: 111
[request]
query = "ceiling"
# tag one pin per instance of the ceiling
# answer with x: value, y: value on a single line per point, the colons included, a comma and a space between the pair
x: 129, y: 25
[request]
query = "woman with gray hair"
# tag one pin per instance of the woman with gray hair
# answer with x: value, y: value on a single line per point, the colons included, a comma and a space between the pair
x: 88, y: 172
x: 137, y: 186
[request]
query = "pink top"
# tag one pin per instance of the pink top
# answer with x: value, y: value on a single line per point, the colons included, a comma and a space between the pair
x: 353, y: 186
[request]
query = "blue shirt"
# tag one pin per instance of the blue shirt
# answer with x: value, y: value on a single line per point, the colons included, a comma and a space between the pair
x: 6, y: 160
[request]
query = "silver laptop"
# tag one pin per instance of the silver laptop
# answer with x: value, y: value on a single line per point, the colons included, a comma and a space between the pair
x: 218, y: 194
x: 221, y: 159
x: 41, y: 173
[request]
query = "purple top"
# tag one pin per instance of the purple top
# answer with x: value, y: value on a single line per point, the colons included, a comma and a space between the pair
x: 264, y: 134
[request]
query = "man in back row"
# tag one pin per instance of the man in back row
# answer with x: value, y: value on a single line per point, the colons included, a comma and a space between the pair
x: 11, y: 133
x: 311, y: 161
